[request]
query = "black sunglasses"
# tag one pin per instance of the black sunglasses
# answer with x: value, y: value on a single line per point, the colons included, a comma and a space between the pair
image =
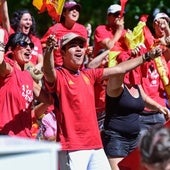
x: 25, y: 44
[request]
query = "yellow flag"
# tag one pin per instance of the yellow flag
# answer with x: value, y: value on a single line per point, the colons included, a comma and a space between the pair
x: 135, y: 37
x: 38, y: 4
x: 112, y: 58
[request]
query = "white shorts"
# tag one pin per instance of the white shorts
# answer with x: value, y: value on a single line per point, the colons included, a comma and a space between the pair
x: 83, y: 160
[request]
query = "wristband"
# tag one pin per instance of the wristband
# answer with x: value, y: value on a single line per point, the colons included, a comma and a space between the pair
x: 146, y: 57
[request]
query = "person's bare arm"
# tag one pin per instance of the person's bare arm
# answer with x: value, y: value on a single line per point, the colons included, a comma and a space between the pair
x: 5, y: 68
x: 128, y: 65
x: 41, y: 95
x: 115, y: 85
x: 97, y: 61
x: 109, y: 43
x: 48, y: 63
x: 153, y: 105
x: 5, y: 15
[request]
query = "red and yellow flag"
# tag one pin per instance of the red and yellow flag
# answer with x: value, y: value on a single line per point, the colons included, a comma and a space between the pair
x: 53, y: 7
x: 140, y: 35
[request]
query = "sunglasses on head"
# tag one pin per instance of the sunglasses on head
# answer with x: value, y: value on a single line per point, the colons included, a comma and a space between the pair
x: 25, y: 44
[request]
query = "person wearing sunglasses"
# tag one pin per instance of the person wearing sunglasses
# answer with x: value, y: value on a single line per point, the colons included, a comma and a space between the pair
x: 17, y: 88
x: 23, y: 21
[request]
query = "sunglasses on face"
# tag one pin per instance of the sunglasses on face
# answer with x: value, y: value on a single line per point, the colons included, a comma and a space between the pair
x: 75, y: 8
x: 25, y: 44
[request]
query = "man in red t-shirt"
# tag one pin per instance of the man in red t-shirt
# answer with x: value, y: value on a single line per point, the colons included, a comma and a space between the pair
x: 108, y: 36
x: 77, y: 128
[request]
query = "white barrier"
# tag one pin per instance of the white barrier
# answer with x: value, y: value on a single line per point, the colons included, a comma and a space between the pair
x: 25, y: 154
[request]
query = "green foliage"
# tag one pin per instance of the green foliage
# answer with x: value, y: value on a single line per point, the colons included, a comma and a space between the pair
x: 94, y: 11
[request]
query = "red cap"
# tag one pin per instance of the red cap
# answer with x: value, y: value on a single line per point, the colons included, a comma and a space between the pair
x: 71, y: 4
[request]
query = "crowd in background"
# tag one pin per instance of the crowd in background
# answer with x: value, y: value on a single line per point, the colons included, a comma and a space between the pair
x: 97, y: 99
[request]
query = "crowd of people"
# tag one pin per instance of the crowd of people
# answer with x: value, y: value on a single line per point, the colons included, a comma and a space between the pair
x: 97, y: 101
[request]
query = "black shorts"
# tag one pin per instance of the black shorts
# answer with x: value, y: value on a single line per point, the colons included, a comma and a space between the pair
x: 118, y: 144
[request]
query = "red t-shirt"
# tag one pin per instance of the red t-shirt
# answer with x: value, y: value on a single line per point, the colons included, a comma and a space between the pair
x: 36, y: 50
x: 16, y: 91
x: 152, y: 83
x: 102, y: 32
x: 77, y: 127
x: 59, y: 30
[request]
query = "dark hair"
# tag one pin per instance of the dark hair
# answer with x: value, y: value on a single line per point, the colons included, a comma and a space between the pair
x: 14, y: 39
x: 155, y: 145
x: 15, y: 21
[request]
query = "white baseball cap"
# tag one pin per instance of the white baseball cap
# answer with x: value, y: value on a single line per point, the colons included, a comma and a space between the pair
x: 161, y: 15
x: 113, y: 8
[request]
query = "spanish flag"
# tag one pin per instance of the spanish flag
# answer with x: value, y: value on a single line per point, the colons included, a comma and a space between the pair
x: 53, y: 7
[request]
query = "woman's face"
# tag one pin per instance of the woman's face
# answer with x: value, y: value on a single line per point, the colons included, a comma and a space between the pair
x: 25, y: 23
x: 22, y: 52
x: 71, y: 15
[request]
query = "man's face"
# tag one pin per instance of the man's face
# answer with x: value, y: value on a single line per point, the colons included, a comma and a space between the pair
x: 74, y: 54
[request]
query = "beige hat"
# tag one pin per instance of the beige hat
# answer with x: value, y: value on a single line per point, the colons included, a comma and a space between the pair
x: 69, y: 37
x: 161, y: 15
x: 113, y: 9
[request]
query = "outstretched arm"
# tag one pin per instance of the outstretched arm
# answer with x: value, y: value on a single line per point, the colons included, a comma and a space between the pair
x: 97, y: 61
x: 153, y: 105
x: 128, y: 65
x: 48, y: 63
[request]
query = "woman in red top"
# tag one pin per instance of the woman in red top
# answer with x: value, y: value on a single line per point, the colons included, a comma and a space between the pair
x: 68, y: 23
x: 17, y: 88
x: 23, y: 21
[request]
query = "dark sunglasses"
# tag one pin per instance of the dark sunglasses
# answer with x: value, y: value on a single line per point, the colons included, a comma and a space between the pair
x: 75, y: 7
x: 25, y: 44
